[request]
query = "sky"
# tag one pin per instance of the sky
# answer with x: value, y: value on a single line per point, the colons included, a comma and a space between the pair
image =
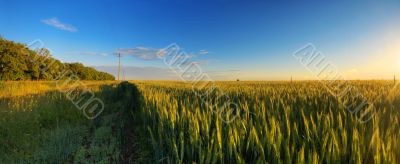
x: 227, y: 39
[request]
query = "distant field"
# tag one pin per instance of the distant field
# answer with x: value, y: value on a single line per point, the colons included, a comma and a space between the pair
x: 167, y: 121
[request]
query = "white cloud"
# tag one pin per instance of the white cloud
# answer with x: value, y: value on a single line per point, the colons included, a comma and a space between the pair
x: 60, y: 25
x: 149, y: 54
x: 146, y: 53
x: 203, y: 52
x: 142, y: 52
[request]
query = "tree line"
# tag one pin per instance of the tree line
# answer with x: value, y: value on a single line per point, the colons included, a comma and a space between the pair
x: 17, y: 62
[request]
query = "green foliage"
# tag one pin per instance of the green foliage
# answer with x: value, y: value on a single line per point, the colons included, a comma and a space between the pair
x: 45, y: 127
x: 42, y: 127
x: 60, y: 145
x: 33, y: 127
x: 17, y: 62
x: 87, y: 73
x: 12, y: 65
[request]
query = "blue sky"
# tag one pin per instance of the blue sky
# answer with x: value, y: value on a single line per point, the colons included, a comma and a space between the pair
x: 246, y: 39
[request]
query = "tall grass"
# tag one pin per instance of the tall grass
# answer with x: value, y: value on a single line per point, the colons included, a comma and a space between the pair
x: 279, y: 122
x: 10, y: 89
x: 39, y: 124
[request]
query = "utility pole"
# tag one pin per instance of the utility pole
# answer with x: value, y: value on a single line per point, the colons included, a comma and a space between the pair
x: 119, y: 63
x: 394, y: 79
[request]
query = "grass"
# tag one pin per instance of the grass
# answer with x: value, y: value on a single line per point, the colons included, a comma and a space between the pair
x: 169, y: 122
x: 39, y: 124
x: 279, y: 122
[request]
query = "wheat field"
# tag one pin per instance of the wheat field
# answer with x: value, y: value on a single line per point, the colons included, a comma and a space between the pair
x: 278, y: 122
x: 172, y: 122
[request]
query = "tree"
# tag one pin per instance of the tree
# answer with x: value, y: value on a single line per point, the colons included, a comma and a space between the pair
x: 17, y: 62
